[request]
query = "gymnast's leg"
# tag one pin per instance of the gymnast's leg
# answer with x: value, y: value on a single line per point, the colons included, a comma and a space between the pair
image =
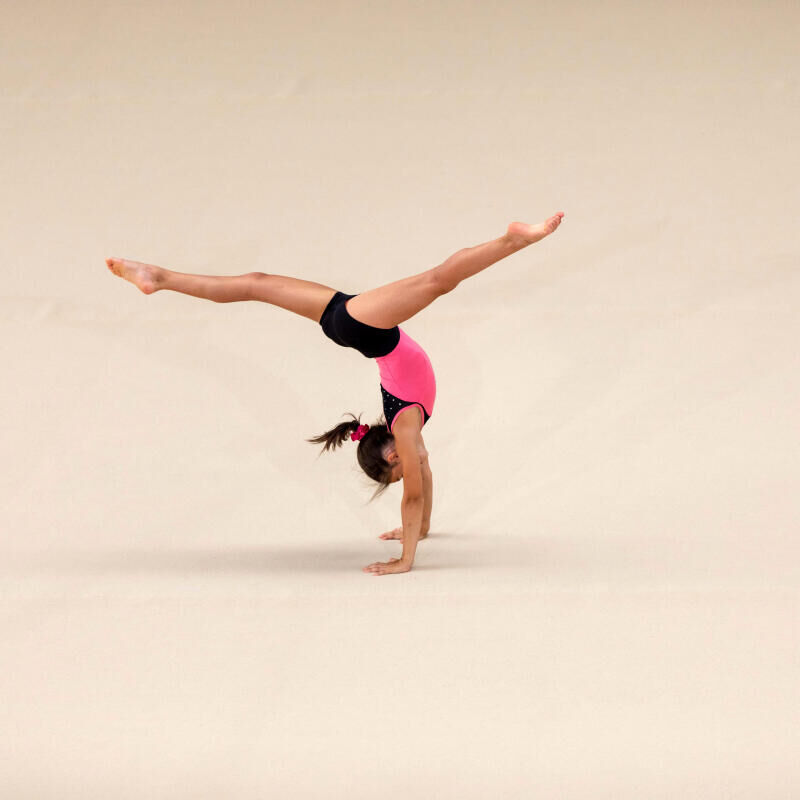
x: 302, y: 297
x: 396, y: 302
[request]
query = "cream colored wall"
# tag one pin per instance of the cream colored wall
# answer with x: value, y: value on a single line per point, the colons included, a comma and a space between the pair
x: 609, y: 609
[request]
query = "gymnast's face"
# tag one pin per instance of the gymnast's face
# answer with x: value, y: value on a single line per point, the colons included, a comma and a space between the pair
x: 397, y: 465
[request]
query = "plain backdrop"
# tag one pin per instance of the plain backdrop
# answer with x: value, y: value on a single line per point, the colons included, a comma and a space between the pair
x: 607, y: 606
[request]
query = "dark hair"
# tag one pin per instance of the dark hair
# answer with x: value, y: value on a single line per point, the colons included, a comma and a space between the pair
x: 369, y: 451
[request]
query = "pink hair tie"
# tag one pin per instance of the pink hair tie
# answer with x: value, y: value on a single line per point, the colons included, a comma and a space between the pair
x: 359, y: 432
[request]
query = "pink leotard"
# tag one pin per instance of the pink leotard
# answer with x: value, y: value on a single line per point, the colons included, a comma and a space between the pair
x: 407, y: 380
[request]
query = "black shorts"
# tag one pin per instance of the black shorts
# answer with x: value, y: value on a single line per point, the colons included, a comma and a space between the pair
x: 338, y: 325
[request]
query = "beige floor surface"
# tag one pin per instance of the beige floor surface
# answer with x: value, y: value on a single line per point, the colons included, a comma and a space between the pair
x: 608, y: 603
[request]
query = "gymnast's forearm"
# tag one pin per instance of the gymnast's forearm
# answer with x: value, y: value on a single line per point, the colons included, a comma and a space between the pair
x: 427, y: 502
x: 411, y: 512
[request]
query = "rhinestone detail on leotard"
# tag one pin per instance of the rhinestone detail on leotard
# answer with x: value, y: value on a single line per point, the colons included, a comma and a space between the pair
x: 392, y: 405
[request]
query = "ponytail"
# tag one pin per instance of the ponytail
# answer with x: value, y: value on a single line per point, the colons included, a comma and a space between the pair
x: 372, y: 441
x: 335, y: 437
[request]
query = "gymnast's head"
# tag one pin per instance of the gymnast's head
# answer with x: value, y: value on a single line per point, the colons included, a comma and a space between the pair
x: 375, y: 449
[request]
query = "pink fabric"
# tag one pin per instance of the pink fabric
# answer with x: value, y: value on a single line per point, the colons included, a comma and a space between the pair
x: 407, y: 373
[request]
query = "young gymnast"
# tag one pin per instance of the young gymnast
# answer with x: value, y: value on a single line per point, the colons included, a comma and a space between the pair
x: 393, y: 448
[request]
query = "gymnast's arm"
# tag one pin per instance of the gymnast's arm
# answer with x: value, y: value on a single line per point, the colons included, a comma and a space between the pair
x: 412, y: 506
x: 427, y: 497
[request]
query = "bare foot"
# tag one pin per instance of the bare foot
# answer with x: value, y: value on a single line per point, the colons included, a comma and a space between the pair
x: 533, y: 233
x: 145, y: 276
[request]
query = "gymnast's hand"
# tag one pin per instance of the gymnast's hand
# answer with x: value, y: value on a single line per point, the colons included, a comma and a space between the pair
x: 389, y: 567
x: 397, y: 533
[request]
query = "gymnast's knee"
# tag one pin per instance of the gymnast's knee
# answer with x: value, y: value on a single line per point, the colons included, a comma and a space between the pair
x: 441, y: 281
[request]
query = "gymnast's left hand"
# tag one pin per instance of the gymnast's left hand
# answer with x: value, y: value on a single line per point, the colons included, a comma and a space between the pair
x: 389, y: 567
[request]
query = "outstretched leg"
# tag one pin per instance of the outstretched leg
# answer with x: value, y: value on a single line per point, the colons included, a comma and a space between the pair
x: 302, y: 297
x: 396, y: 302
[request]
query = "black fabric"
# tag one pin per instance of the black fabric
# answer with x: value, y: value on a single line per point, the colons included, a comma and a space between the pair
x: 345, y: 330
x: 393, y: 405
x: 339, y: 326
